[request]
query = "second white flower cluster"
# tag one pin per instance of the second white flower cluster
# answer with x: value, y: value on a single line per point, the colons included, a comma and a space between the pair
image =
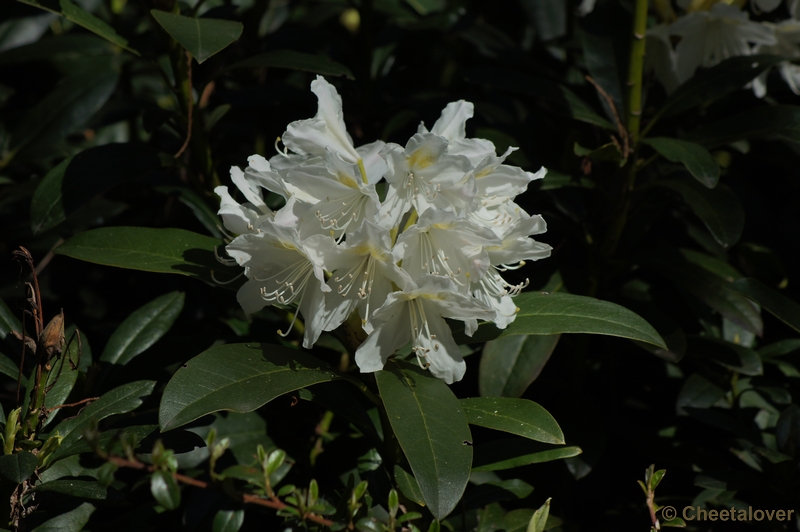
x: 434, y: 248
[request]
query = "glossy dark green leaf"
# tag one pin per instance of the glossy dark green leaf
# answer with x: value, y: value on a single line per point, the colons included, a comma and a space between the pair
x: 8, y: 367
x: 726, y: 354
x: 714, y: 265
x: 710, y: 84
x: 719, y: 209
x: 228, y: 521
x: 17, y: 467
x: 709, y: 288
x: 501, y: 490
x: 134, y: 435
x: 541, y: 88
x: 63, y: 379
x: 72, y: 521
x: 165, y: 490
x: 556, y: 313
x: 144, y: 327
x: 245, y: 431
x: 780, y: 348
x: 517, y: 452
x: 775, y: 122
x: 698, y: 392
x: 62, y: 51
x: 202, y: 37
x: 517, y: 416
x: 238, y: 377
x: 408, y: 485
x: 774, y: 302
x: 84, y: 489
x: 153, y: 250
x: 510, y: 364
x: 82, y: 18
x: 8, y: 321
x: 697, y: 160
x: 518, y: 521
x: 598, y: 52
x: 74, y: 182
x: 204, y: 214
x: 318, y: 64
x: 117, y: 401
x: 787, y: 431
x: 549, y: 17
x: 69, y: 106
x: 432, y: 430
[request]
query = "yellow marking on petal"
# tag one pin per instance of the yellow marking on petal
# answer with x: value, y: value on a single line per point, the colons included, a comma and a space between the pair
x: 445, y: 225
x: 363, y: 171
x: 483, y: 173
x: 346, y: 180
x: 422, y: 158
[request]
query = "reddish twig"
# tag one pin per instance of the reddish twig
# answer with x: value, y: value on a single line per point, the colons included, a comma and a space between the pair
x: 623, y: 133
x: 82, y: 401
x: 273, y: 502
x: 190, y: 106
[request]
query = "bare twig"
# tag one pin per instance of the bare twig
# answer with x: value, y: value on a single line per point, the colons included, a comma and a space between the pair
x: 68, y: 405
x: 273, y: 502
x: 623, y: 133
x: 189, y: 107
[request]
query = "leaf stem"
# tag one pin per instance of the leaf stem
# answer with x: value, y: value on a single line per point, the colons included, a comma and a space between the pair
x: 636, y: 70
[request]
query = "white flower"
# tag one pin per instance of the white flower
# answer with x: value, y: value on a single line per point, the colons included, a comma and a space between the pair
x: 325, y: 130
x: 787, y: 36
x: 283, y: 270
x: 660, y: 57
x: 441, y: 244
x: 708, y: 37
x: 363, y: 272
x: 424, y: 175
x: 339, y: 196
x: 452, y: 126
x: 417, y: 316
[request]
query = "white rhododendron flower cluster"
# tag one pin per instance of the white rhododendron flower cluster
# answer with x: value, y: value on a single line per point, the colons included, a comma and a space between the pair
x: 434, y: 248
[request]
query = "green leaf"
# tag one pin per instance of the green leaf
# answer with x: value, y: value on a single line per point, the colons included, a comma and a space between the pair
x: 18, y: 467
x: 601, y: 61
x: 238, y: 377
x: 549, y: 17
x: 202, y: 37
x: 518, y: 521
x: 63, y: 378
x: 74, y: 182
x: 318, y: 64
x: 541, y: 88
x: 731, y: 356
x: 165, y: 490
x: 152, y: 250
x: 710, y: 84
x: 774, y: 302
x: 408, y: 485
x: 134, y: 434
x: 698, y: 392
x: 82, y: 18
x: 72, y: 521
x: 69, y: 106
x: 199, y: 207
x: 776, y: 122
x: 62, y: 51
x: 787, y: 431
x: 244, y: 431
x: 517, y: 452
x: 8, y: 367
x: 144, y: 327
x: 117, y: 401
x: 85, y: 489
x: 539, y: 518
x: 719, y: 209
x: 8, y: 322
x: 510, y: 364
x: 501, y: 490
x: 228, y: 521
x: 432, y: 430
x: 556, y: 313
x: 517, y: 416
x: 425, y: 7
x: 697, y: 160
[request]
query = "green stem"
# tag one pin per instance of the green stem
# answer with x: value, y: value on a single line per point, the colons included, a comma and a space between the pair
x: 635, y: 76
x: 636, y: 70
